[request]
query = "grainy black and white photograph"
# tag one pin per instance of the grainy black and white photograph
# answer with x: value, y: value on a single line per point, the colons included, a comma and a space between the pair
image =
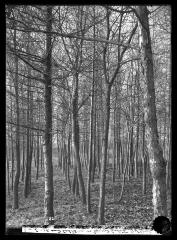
x: 88, y: 119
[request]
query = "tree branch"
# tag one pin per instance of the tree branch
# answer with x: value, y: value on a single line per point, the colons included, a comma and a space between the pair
x: 122, y: 53
x: 71, y: 35
x: 25, y: 126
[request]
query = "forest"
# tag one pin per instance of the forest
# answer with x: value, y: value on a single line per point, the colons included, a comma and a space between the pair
x: 88, y: 115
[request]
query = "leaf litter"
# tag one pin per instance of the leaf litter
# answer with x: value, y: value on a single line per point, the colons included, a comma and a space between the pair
x: 135, y: 210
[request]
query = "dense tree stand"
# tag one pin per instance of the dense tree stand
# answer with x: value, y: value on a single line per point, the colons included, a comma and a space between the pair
x: 88, y: 114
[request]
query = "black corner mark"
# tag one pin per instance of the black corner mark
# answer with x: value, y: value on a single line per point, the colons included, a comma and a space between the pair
x: 162, y: 225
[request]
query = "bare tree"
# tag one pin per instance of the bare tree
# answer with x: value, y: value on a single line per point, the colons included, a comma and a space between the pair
x: 49, y: 192
x: 108, y: 86
x: 17, y: 174
x: 157, y: 162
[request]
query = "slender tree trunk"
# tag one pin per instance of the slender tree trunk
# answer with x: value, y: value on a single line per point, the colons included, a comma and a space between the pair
x: 115, y: 144
x: 104, y: 160
x: 23, y: 164
x: 11, y: 154
x: 157, y: 162
x: 37, y: 156
x: 128, y: 150
x: 76, y: 140
x: 49, y: 192
x: 42, y: 153
x: 26, y: 186
x: 75, y: 183
x: 34, y: 152
x: 69, y: 160
x: 12, y: 160
x: 168, y: 167
x: 7, y: 168
x: 168, y: 177
x: 90, y: 165
x: 98, y: 150
x: 123, y: 180
x: 138, y: 121
x: 144, y: 159
x: 17, y: 173
x: 131, y: 152
x: 30, y: 162
x: 29, y: 118
x: 94, y: 150
x: 118, y: 130
x: 58, y: 148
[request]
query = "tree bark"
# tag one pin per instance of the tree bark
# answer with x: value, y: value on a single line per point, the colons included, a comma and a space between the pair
x: 114, y: 147
x: 26, y: 185
x: 37, y: 156
x: 104, y: 160
x: 144, y: 160
x: 49, y: 192
x: 17, y: 173
x: 23, y: 164
x: 90, y: 164
x: 138, y: 123
x: 28, y: 141
x: 76, y: 139
x: 69, y: 160
x: 7, y: 168
x: 12, y: 159
x: 157, y: 162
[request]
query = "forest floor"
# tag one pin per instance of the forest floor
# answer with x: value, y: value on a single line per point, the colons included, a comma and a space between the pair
x: 134, y: 211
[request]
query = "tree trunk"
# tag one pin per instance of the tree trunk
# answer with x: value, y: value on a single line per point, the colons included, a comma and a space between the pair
x: 58, y: 148
x: 7, y: 168
x: 26, y: 186
x: 98, y: 150
x: 157, y: 162
x: 17, y: 173
x: 37, y: 160
x: 28, y: 136
x: 104, y: 160
x: 90, y: 165
x: 144, y: 160
x: 23, y: 164
x: 123, y: 181
x: 168, y: 177
x: 42, y: 153
x: 31, y: 158
x: 69, y: 160
x: 12, y: 160
x: 75, y: 183
x: 76, y: 139
x: 12, y: 145
x: 115, y: 143
x: 49, y: 192
x: 138, y: 121
x: 118, y: 131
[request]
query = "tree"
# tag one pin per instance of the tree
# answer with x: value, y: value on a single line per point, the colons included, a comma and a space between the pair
x: 157, y: 162
x: 17, y: 174
x: 49, y: 192
x: 28, y: 135
x: 108, y: 86
x: 90, y: 164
